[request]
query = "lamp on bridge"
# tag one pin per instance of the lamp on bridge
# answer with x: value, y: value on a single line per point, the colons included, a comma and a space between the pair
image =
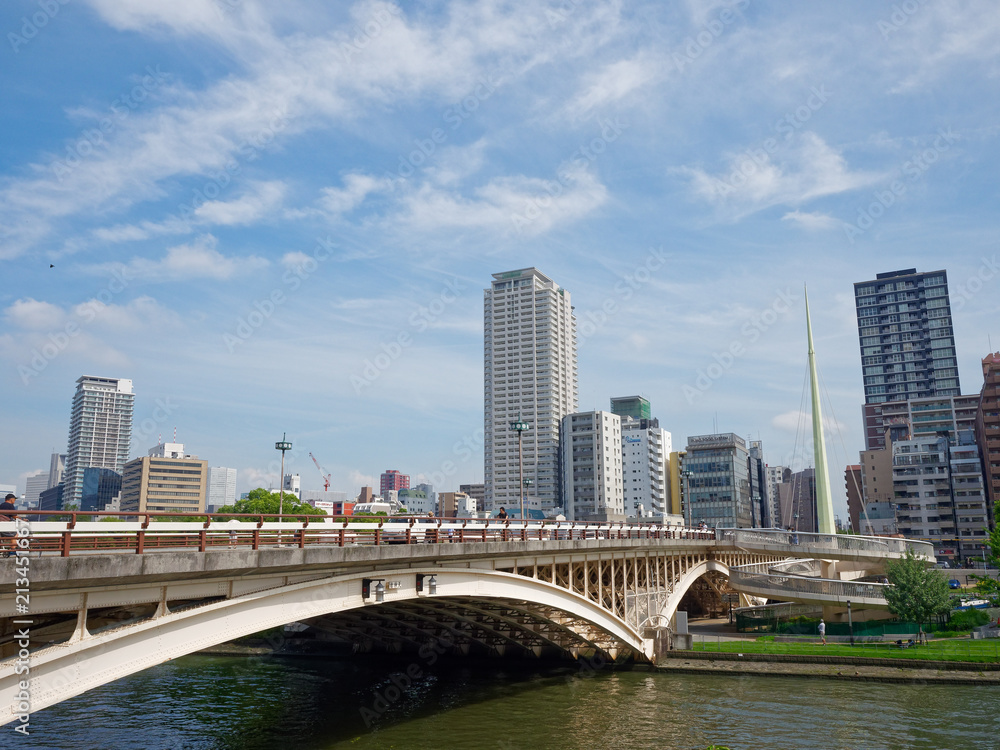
x: 282, y: 445
x: 431, y: 580
x: 520, y: 427
x: 528, y: 481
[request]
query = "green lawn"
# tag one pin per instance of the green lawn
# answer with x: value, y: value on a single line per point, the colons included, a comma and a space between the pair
x: 955, y: 649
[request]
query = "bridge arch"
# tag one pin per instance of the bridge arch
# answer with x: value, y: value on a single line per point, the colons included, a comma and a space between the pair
x: 495, y: 609
x: 683, y: 585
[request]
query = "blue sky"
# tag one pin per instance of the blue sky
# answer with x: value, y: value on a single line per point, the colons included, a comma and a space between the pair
x: 244, y: 205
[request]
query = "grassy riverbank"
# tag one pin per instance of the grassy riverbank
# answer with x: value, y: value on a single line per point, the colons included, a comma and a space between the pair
x: 951, y: 649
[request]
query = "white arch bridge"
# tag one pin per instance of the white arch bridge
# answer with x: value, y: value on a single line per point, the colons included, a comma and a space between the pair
x: 97, y: 601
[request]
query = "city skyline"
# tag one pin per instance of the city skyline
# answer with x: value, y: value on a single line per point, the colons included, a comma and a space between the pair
x: 273, y: 220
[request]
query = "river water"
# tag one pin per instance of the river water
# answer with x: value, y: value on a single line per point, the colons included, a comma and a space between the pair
x: 360, y: 702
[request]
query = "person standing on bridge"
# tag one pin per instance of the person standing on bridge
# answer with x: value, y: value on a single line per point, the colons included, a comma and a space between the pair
x: 822, y: 630
x: 8, y: 504
x: 502, y: 514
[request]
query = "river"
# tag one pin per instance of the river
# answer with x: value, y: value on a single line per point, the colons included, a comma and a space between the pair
x: 205, y: 702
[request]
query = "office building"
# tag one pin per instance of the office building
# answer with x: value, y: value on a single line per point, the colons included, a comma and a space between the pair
x: 456, y: 505
x: 221, y: 487
x: 592, y: 466
x: 757, y: 476
x: 416, y: 502
x: 854, y: 486
x: 718, y: 487
x: 167, y: 480
x: 100, y: 431
x: 477, y: 491
x: 34, y: 486
x: 392, y: 480
x: 292, y: 484
x: 635, y: 407
x: 52, y: 498
x: 646, y: 449
x: 919, y: 417
x: 906, y: 335
x: 988, y: 431
x: 100, y: 488
x: 797, y: 502
x: 530, y: 376
x: 57, y: 467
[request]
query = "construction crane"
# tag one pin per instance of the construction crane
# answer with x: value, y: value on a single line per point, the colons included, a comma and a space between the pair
x: 326, y: 477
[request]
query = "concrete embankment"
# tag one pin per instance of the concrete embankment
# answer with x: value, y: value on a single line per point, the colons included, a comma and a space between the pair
x: 828, y: 667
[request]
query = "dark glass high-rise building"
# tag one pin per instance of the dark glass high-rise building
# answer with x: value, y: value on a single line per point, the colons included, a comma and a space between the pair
x: 907, y: 339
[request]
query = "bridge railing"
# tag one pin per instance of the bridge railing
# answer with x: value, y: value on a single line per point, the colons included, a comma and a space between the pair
x: 762, y: 577
x: 65, y: 533
x: 889, y: 546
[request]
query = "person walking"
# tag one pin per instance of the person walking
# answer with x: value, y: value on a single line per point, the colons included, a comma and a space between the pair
x: 8, y: 504
x: 822, y: 630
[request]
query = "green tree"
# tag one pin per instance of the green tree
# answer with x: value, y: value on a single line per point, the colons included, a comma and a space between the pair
x: 262, y: 501
x: 917, y: 592
x: 987, y: 587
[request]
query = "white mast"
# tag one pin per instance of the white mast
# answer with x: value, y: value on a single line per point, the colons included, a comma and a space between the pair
x: 824, y: 499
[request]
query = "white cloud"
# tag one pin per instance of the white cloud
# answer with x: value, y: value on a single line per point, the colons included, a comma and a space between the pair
x: 195, y: 260
x: 32, y: 314
x: 807, y: 170
x: 356, y: 188
x: 257, y: 203
x: 614, y: 83
x: 520, y: 205
x: 813, y: 220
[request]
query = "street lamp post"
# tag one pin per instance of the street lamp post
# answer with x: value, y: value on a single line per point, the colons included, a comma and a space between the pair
x: 520, y: 427
x: 282, y: 445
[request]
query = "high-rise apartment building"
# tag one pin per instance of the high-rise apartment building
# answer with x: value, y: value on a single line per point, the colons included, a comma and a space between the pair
x: 34, y: 486
x: 100, y: 431
x: 775, y: 475
x: 392, y: 480
x: 592, y: 466
x: 646, y: 449
x: 477, y: 491
x: 907, y: 340
x: 917, y: 417
x: 988, y: 430
x: 221, y: 489
x: 855, y: 495
x: 940, y: 498
x: 718, y: 486
x: 530, y: 376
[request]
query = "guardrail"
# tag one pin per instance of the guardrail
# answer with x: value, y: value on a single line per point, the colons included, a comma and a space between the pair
x: 760, y: 576
x: 157, y: 532
x: 834, y: 542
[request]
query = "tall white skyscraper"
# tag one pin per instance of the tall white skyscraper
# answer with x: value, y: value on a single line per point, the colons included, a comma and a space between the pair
x: 530, y: 374
x: 100, y: 431
x: 592, y: 466
x: 645, y: 452
x: 221, y: 486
